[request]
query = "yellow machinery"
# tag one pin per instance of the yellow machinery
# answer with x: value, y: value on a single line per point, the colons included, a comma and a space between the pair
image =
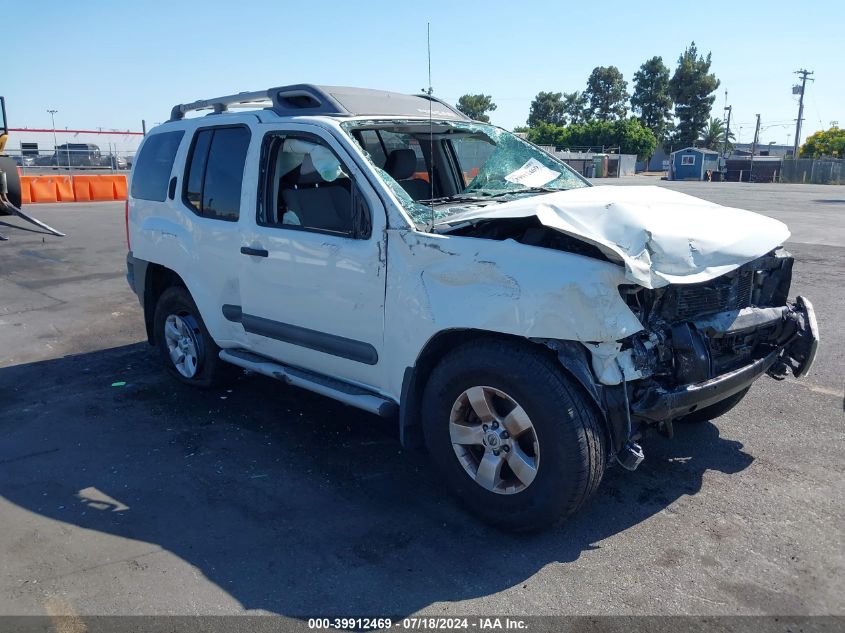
x: 10, y: 181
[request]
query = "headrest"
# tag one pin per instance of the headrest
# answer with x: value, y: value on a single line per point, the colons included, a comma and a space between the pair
x: 401, y: 163
x: 308, y: 175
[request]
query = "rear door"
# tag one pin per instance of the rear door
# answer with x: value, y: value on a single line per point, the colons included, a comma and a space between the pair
x: 211, y: 194
x: 313, y: 260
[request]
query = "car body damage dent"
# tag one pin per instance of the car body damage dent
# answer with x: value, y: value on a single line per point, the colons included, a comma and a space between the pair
x: 661, y: 236
x: 484, y: 277
x: 495, y: 285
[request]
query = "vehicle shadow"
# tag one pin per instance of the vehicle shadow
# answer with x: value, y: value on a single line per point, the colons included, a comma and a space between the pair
x: 289, y: 502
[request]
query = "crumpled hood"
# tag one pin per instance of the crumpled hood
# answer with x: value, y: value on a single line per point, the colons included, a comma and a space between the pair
x: 662, y: 236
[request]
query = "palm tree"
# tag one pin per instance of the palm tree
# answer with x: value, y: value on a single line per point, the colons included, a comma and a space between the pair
x: 714, y: 135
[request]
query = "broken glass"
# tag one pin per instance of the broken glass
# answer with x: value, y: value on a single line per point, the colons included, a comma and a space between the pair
x: 493, y: 165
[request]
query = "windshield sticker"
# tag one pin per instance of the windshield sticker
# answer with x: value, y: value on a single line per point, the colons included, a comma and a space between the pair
x: 532, y: 174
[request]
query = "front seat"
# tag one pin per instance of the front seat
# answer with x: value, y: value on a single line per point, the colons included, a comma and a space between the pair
x: 319, y: 204
x: 401, y: 165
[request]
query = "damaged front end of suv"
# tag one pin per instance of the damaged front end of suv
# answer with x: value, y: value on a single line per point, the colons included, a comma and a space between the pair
x: 704, y: 307
x: 712, y: 302
x: 702, y: 346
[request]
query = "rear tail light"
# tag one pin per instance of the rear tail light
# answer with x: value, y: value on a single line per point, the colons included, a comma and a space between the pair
x: 126, y: 223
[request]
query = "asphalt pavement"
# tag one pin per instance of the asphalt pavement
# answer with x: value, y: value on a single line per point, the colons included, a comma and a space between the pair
x: 123, y: 492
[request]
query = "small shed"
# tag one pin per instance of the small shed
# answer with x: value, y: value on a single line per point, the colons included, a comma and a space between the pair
x: 693, y: 163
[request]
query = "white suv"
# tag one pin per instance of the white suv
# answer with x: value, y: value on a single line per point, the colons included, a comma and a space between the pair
x: 386, y: 251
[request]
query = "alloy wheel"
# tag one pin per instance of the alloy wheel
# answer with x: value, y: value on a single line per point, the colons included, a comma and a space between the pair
x: 494, y: 440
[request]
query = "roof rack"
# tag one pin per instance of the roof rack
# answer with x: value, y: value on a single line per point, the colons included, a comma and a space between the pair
x: 220, y: 104
x: 308, y: 99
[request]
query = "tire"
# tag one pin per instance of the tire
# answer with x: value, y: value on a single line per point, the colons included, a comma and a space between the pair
x: 13, y: 181
x: 565, y: 443
x: 176, y: 308
x: 714, y: 410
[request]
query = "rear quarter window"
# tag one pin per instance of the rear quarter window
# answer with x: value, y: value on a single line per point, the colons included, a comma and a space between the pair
x: 153, y: 166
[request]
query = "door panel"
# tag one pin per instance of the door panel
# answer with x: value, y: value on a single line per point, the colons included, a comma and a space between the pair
x: 210, y: 194
x: 316, y: 300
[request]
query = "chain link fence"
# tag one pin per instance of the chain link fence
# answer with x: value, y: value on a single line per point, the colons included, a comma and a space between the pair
x: 71, y: 158
x: 820, y: 171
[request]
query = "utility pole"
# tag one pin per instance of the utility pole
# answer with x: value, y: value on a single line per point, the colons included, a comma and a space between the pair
x: 53, y: 119
x: 727, y: 130
x: 754, y: 148
x: 799, y: 90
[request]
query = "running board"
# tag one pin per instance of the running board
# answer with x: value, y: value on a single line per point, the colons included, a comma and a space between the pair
x: 336, y: 389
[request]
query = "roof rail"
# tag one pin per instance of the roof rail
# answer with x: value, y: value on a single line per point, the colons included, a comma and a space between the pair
x: 308, y: 99
x: 220, y: 104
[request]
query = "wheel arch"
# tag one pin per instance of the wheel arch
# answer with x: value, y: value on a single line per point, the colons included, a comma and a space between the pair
x: 157, y: 279
x: 573, y: 363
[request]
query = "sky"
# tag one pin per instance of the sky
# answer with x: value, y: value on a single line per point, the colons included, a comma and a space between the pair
x: 112, y: 64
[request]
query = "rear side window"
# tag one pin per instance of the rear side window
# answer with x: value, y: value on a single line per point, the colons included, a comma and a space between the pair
x: 153, y: 166
x: 401, y: 140
x: 215, y: 172
x: 472, y: 153
x: 372, y: 143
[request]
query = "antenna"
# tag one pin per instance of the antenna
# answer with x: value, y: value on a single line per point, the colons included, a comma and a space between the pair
x: 430, y: 92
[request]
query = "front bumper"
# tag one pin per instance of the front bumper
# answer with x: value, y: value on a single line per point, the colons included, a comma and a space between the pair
x: 795, y: 353
x: 667, y: 405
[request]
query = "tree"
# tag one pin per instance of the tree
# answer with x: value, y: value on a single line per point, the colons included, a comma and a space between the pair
x: 828, y: 143
x: 477, y: 106
x: 547, y: 107
x: 631, y: 136
x: 575, y: 107
x: 607, y: 93
x: 714, y: 135
x: 651, y: 96
x: 691, y: 88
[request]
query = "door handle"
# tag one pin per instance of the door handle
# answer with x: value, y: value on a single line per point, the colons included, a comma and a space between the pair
x: 255, y: 252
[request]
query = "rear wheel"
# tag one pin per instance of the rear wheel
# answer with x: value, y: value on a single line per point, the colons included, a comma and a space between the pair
x: 184, y: 344
x: 715, y: 410
x: 511, y: 435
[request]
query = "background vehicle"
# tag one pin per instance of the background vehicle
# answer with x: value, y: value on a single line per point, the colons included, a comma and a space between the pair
x: 24, y: 161
x: 77, y: 155
x: 526, y: 326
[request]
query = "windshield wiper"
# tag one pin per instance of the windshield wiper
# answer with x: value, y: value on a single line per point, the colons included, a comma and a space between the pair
x: 514, y: 192
x: 460, y: 197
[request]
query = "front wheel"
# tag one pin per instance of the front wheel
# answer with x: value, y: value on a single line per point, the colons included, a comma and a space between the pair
x: 511, y: 434
x: 184, y: 344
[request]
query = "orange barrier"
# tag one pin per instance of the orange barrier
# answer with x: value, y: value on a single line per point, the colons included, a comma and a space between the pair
x: 99, y: 187
x: 120, y: 187
x: 26, y: 198
x: 43, y: 189
x: 64, y: 189
x: 82, y: 188
x: 102, y: 189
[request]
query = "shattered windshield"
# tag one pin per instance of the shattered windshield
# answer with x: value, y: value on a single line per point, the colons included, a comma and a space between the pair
x: 443, y: 168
